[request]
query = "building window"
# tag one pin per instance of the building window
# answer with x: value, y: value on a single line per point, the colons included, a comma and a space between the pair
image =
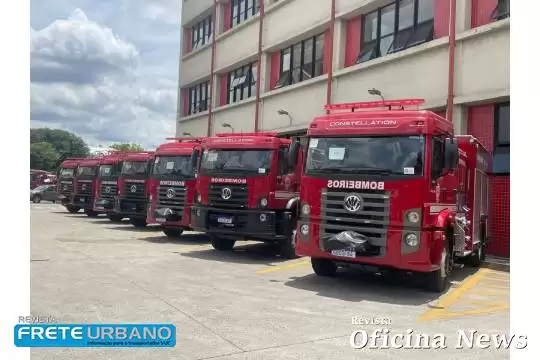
x: 242, y: 83
x: 201, y: 33
x: 395, y: 27
x: 242, y: 10
x: 198, y: 98
x: 301, y: 61
x: 502, y: 10
x: 501, y: 144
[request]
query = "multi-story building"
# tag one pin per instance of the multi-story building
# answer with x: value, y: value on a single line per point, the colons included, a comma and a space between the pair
x: 260, y: 65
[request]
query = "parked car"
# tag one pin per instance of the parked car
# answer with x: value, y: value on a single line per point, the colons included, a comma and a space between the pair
x: 44, y: 192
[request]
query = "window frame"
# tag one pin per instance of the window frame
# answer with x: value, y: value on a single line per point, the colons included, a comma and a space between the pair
x: 250, y: 9
x: 206, y: 25
x: 371, y: 49
x: 500, y: 148
x: 435, y: 139
x: 287, y: 77
x: 249, y: 71
x: 194, y: 102
x: 501, y: 11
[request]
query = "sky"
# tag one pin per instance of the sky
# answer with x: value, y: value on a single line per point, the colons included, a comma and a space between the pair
x: 106, y: 70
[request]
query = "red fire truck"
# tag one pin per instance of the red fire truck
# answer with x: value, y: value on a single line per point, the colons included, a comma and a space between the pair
x: 172, y: 184
x: 107, y: 185
x: 66, y: 179
x: 394, y: 189
x: 133, y: 188
x: 247, y: 189
x: 85, y: 185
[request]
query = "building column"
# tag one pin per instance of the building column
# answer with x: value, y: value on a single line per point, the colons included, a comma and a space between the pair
x: 460, y: 120
x: 340, y: 37
x: 264, y: 85
x: 463, y: 15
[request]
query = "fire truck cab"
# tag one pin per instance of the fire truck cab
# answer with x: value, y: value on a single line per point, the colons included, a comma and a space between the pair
x: 247, y: 189
x: 393, y: 189
x: 133, y: 188
x: 66, y: 179
x: 107, y: 185
x: 172, y: 184
x: 86, y: 179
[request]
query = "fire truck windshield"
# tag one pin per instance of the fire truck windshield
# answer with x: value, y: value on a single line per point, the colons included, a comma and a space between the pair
x: 236, y: 161
x: 107, y: 170
x: 134, y: 168
x: 391, y: 155
x: 86, y: 171
x: 179, y: 165
x: 67, y: 172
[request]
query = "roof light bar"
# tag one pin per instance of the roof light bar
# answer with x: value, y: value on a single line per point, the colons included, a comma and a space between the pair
x: 261, y: 134
x: 185, y: 139
x: 375, y: 104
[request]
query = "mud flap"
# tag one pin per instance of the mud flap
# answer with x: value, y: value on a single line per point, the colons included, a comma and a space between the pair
x: 346, y: 240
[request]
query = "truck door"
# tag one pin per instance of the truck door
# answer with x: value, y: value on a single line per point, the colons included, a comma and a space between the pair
x: 286, y: 178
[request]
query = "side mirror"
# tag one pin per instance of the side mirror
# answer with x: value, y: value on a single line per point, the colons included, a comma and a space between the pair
x: 451, y: 154
x: 194, y: 159
x: 293, y: 153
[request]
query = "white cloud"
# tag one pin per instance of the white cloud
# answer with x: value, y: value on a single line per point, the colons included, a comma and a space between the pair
x: 87, y: 80
x: 169, y: 11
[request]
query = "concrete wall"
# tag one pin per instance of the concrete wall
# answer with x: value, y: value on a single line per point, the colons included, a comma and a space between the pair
x: 192, y: 9
x: 239, y: 116
x: 237, y: 45
x: 195, y: 125
x: 195, y: 66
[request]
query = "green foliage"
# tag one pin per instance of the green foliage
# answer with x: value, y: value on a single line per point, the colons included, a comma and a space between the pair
x: 43, y: 156
x: 49, y: 147
x: 127, y: 147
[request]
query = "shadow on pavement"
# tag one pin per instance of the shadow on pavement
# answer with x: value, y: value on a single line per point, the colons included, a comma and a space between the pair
x: 187, y: 239
x: 259, y: 253
x: 126, y: 226
x: 354, y: 285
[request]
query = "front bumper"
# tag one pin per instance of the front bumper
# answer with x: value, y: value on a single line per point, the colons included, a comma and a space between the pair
x: 131, y: 208
x: 104, y: 205
x: 257, y: 224
x: 393, y: 254
x: 85, y: 202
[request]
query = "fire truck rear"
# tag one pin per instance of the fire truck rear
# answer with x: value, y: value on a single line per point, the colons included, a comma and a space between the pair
x: 66, y: 180
x: 172, y: 184
x: 132, y: 188
x: 107, y: 185
x: 247, y: 190
x: 394, y: 189
x: 85, y: 184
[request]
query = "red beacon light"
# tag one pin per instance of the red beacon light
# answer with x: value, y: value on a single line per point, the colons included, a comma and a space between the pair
x: 401, y: 103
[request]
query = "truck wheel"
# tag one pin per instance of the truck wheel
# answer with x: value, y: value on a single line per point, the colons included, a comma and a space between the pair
x: 115, y: 218
x: 173, y: 232
x: 91, y: 213
x: 437, y: 281
x: 323, y: 267
x: 36, y: 199
x: 287, y: 249
x: 138, y: 223
x: 73, y: 209
x: 222, y: 244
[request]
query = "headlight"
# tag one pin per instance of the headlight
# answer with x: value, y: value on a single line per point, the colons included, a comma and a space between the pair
x: 305, y: 209
x: 149, y: 198
x: 304, y: 229
x: 411, y: 240
x: 413, y: 217
x: 264, y: 201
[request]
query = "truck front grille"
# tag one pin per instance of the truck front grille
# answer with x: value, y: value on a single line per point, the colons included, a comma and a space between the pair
x: 134, y: 191
x: 172, y: 197
x: 66, y: 188
x: 371, y: 220
x: 85, y: 188
x: 218, y: 195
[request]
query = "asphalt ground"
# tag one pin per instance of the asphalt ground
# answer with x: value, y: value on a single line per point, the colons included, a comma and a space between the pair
x: 244, y: 304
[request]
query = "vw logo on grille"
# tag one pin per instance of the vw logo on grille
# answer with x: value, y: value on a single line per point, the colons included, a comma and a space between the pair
x: 83, y: 187
x: 170, y: 193
x: 133, y: 188
x: 226, y: 193
x: 64, y: 187
x: 353, y: 203
x: 108, y: 189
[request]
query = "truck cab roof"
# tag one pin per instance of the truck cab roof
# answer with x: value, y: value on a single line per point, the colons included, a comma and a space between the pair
x: 262, y: 140
x: 180, y: 146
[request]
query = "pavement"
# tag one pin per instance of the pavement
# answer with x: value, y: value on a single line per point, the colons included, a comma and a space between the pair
x: 248, y: 303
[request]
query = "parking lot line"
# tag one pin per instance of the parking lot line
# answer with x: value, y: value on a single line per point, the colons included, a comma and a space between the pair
x: 458, y: 302
x: 286, y: 266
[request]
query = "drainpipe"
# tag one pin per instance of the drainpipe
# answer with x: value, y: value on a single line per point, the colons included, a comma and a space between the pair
x: 259, y: 65
x: 212, y: 61
x: 331, y: 52
x: 451, y: 61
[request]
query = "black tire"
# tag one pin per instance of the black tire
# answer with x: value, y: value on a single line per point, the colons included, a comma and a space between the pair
x: 437, y: 281
x: 138, y: 222
x: 73, y: 209
x: 173, y: 232
x: 36, y: 199
x: 115, y: 218
x: 324, y: 267
x: 477, y: 258
x: 91, y: 213
x: 222, y: 244
x: 287, y: 249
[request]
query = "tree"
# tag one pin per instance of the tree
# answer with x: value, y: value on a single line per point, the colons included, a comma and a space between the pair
x: 64, y: 144
x: 43, y: 156
x: 127, y: 147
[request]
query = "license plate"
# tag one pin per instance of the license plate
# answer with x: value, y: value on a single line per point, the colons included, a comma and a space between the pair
x: 224, y: 220
x: 349, y: 253
x: 160, y: 220
x: 81, y: 199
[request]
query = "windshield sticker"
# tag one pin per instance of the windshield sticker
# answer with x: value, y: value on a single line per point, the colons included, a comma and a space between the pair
x: 408, y: 171
x: 170, y: 165
x: 336, y: 153
x: 212, y: 156
x: 313, y: 143
x: 262, y: 171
